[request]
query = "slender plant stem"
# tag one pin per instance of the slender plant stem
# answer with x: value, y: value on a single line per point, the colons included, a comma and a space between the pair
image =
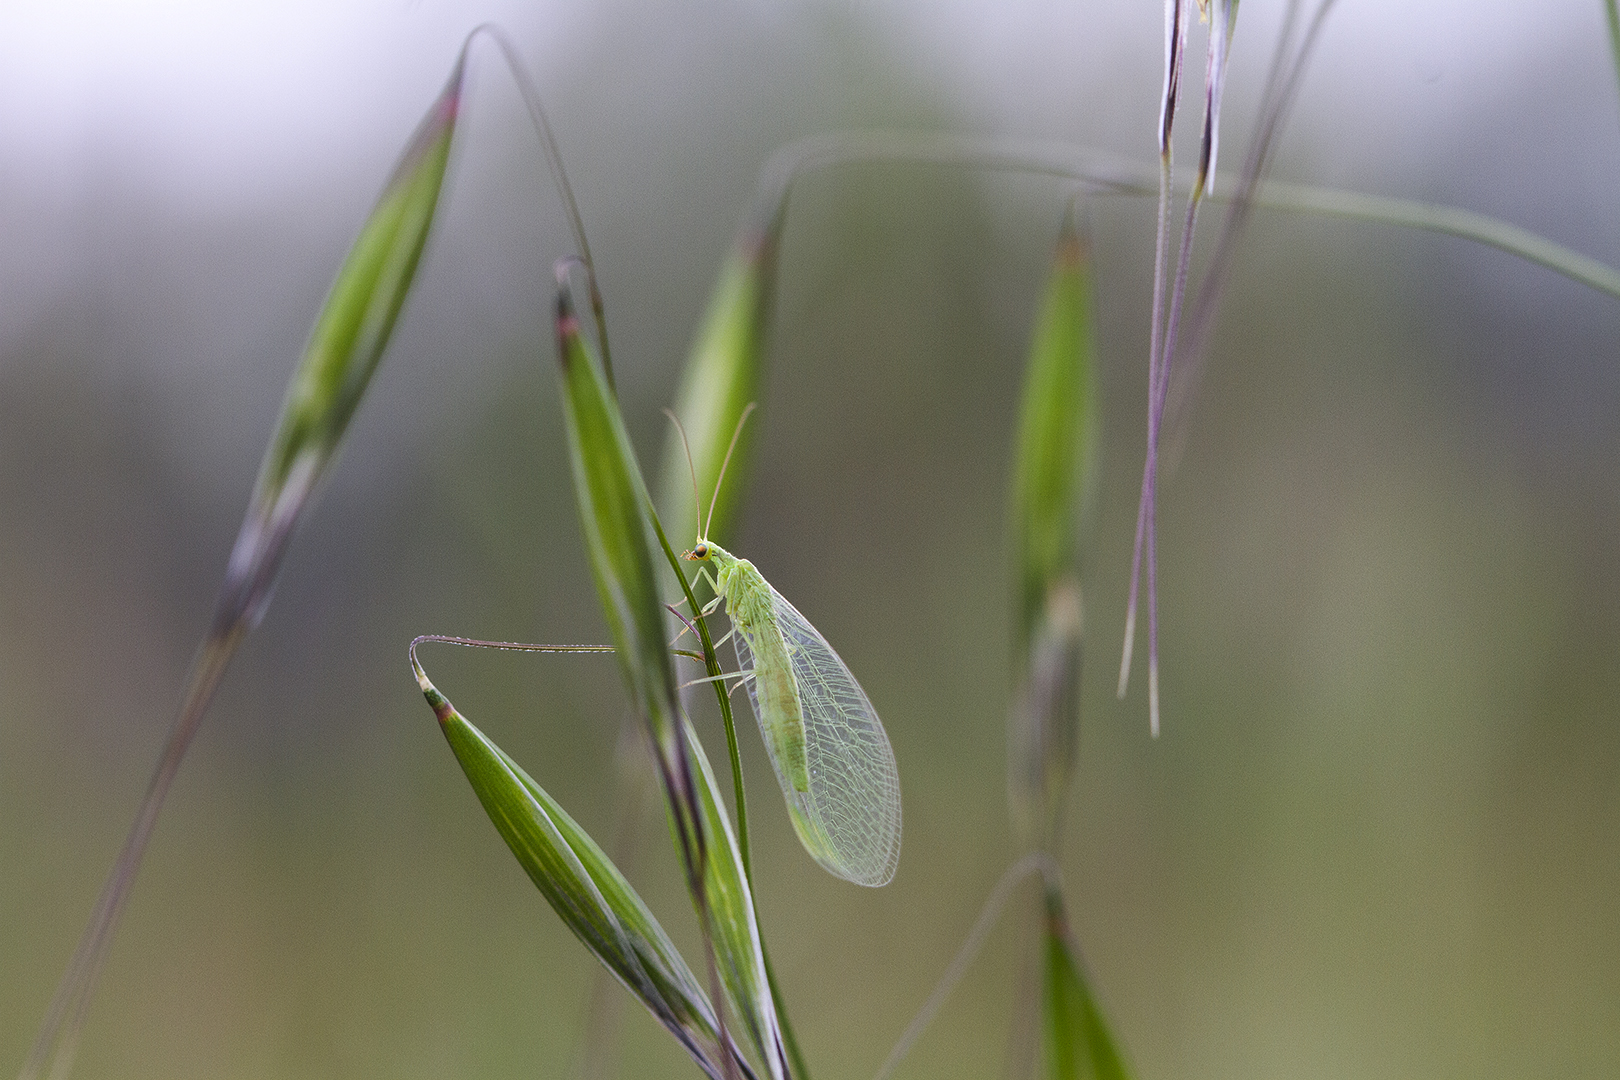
x: 1160, y: 255
x: 528, y: 90
x: 1155, y: 422
x: 1034, y: 861
x: 1450, y: 220
x: 801, y: 1071
x: 58, y: 1037
x: 1103, y: 173
x: 712, y: 662
x: 1282, y: 87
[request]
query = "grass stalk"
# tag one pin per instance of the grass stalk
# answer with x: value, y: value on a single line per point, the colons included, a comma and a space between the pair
x: 1102, y: 173
x: 1175, y: 15
x: 711, y: 661
x: 528, y: 90
x: 1036, y: 861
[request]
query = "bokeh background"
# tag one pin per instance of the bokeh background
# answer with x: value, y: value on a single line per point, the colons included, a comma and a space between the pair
x: 1380, y: 836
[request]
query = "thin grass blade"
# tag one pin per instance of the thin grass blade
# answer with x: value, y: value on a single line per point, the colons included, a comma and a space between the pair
x: 348, y: 339
x: 1077, y: 1042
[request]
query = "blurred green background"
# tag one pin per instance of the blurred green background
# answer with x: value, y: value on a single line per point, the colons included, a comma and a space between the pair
x: 1380, y: 836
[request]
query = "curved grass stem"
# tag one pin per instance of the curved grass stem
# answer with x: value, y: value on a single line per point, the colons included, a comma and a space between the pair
x: 528, y: 90
x: 1103, y: 173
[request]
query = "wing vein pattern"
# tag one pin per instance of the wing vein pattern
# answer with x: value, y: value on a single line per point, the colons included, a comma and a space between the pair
x: 849, y: 819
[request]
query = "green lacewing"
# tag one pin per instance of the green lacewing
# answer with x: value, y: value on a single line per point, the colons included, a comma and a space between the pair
x: 827, y: 746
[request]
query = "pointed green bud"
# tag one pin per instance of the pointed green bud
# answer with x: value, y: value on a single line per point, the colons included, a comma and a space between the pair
x: 612, y: 501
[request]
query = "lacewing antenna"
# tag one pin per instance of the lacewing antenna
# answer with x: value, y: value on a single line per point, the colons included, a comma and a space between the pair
x: 697, y: 502
x: 735, y: 435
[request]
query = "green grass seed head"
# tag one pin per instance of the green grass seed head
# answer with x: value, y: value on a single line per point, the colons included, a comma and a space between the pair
x: 346, y: 344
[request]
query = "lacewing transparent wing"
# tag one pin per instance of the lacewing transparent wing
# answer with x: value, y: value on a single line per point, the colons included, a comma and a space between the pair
x: 849, y: 818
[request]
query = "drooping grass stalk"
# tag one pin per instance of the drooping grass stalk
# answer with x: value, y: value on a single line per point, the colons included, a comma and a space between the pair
x: 345, y: 346
x: 527, y: 88
x: 1449, y: 220
x: 1102, y: 174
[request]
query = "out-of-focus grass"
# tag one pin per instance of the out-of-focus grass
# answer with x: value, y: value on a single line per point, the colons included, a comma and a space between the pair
x: 1377, y: 839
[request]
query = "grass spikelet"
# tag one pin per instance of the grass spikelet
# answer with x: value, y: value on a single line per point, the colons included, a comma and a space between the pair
x: 1055, y: 444
x: 348, y: 339
x: 582, y: 885
x: 1611, y: 11
x: 1056, y: 436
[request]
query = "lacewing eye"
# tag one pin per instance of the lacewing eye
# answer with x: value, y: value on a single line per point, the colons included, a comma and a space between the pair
x: 701, y: 551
